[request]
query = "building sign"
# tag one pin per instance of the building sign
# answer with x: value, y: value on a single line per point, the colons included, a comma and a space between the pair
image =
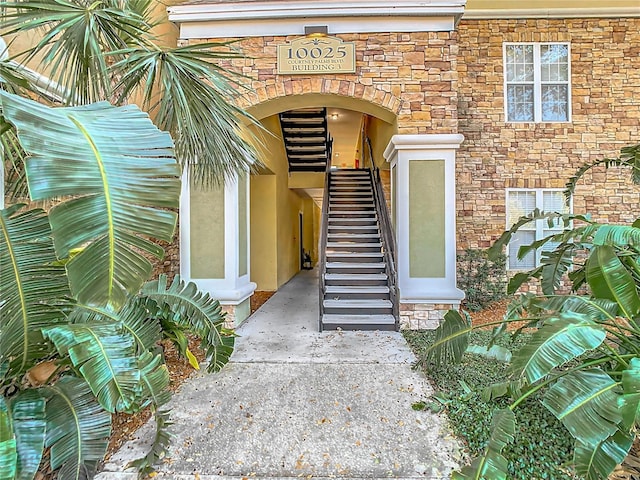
x: 316, y: 54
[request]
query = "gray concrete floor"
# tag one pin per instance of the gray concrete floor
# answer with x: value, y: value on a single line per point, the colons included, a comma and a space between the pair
x: 294, y: 402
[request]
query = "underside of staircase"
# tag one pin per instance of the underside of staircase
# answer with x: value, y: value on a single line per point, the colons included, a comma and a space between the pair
x: 355, y: 288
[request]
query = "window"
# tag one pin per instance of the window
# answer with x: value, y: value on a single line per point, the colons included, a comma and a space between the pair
x: 522, y: 202
x: 537, y: 85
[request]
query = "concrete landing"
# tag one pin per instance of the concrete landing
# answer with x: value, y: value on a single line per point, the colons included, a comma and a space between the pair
x: 294, y: 402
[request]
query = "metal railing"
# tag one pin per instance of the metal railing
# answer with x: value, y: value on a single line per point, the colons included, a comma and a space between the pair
x: 386, y: 234
x: 324, y: 228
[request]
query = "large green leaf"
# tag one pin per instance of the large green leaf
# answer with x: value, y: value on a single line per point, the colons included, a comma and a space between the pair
x: 31, y: 288
x: 135, y: 317
x: 197, y: 311
x: 106, y: 357
x: 8, y: 451
x: 630, y: 401
x: 121, y: 172
x: 492, y: 465
x: 78, y: 429
x: 28, y: 415
x: 559, y: 340
x: 608, y: 278
x: 451, y: 339
x: 586, y: 402
x: 596, y: 462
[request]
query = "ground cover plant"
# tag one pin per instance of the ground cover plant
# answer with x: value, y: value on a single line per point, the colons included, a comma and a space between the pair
x: 462, y: 391
x: 583, y: 354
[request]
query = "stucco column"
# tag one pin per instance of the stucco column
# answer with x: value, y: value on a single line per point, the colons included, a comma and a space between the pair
x: 214, y: 243
x: 424, y: 213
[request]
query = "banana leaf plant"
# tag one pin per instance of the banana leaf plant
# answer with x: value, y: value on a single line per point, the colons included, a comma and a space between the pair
x: 583, y: 352
x: 80, y: 323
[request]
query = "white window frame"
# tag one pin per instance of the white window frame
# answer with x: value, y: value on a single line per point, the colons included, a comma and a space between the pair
x: 537, y: 82
x: 540, y: 225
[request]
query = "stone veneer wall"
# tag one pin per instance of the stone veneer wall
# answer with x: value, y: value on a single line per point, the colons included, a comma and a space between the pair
x: 605, y: 84
x: 411, y: 74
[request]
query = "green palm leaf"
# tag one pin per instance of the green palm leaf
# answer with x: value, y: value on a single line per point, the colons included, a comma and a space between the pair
x: 586, y: 402
x: 31, y: 287
x: 8, y: 451
x: 451, y: 339
x: 120, y: 170
x: 135, y: 317
x: 28, y: 414
x: 492, y: 465
x: 78, y: 429
x: 106, y: 357
x: 608, y: 278
x: 559, y: 340
x: 197, y: 311
x: 75, y: 36
x: 596, y: 462
x: 630, y: 402
x: 188, y: 89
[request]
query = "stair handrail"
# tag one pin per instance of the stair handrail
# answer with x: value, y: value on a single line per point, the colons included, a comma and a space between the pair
x: 322, y: 267
x: 388, y: 239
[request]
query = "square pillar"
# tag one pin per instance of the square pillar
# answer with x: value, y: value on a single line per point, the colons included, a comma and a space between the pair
x: 214, y: 243
x: 424, y: 214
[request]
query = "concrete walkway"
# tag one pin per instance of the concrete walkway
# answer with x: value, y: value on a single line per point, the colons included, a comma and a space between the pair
x: 294, y: 402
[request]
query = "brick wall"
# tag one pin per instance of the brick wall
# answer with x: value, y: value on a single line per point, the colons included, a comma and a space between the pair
x: 605, y: 66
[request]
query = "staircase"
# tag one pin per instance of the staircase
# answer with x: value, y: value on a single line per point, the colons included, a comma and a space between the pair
x: 356, y: 292
x: 306, y: 139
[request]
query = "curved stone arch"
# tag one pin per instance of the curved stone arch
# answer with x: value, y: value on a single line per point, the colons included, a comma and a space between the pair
x: 316, y: 92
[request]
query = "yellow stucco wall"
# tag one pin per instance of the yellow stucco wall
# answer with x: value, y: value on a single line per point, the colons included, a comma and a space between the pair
x: 275, y: 210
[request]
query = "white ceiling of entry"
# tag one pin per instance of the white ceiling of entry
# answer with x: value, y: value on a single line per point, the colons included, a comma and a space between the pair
x: 345, y: 127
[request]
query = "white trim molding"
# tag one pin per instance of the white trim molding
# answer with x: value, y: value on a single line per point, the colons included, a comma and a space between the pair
x: 260, y: 18
x: 402, y: 150
x: 516, y: 13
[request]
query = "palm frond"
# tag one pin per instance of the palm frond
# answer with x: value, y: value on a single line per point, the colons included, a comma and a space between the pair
x: 597, y: 462
x: 199, y: 312
x: 106, y: 357
x: 32, y: 289
x: 135, y: 317
x: 451, y: 339
x: 192, y: 98
x: 609, y: 279
x: 629, y: 157
x: 159, y: 447
x: 630, y: 403
x: 122, y: 173
x: 78, y: 429
x: 76, y: 35
x: 8, y: 450
x: 28, y: 415
x: 492, y: 465
x: 586, y: 402
x: 555, y: 265
x: 559, y: 340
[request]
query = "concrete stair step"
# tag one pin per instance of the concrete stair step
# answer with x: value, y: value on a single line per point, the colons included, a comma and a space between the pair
x: 358, y: 279
x: 353, y: 228
x: 360, y: 292
x: 355, y: 257
x: 355, y: 267
x: 358, y: 322
x: 358, y: 307
x: 338, y: 213
x: 338, y: 221
x: 335, y: 247
x: 353, y: 237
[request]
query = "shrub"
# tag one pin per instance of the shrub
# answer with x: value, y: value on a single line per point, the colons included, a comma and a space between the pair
x: 483, y: 280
